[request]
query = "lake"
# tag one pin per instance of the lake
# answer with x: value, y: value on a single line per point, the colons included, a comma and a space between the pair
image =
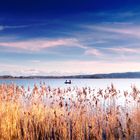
x: 121, y: 84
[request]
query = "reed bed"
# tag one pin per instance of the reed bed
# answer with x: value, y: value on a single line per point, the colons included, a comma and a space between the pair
x: 72, y: 113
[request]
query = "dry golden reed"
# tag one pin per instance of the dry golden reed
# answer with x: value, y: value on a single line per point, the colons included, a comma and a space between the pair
x: 45, y: 113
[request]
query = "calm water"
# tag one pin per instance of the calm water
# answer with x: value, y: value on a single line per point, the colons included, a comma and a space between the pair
x: 121, y: 84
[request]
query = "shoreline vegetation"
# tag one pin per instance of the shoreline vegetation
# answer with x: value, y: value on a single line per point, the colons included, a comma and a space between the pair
x: 90, y: 76
x: 72, y: 113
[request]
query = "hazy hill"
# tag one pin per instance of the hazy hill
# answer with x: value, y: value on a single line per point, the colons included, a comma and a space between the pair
x: 94, y: 76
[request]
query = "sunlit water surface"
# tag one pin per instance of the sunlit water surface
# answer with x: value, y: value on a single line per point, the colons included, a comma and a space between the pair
x: 121, y: 84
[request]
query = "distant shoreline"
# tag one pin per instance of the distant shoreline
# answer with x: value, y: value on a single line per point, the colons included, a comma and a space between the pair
x: 125, y: 75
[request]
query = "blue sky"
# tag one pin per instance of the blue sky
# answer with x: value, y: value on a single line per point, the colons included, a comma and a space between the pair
x: 51, y: 37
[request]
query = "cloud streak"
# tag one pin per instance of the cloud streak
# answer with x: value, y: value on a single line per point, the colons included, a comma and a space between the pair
x: 125, y: 50
x: 3, y: 27
x: 38, y: 45
x: 129, y: 30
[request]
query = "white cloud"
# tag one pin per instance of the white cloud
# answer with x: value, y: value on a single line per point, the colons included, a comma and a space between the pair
x: 93, y: 51
x: 70, y: 68
x: 93, y: 66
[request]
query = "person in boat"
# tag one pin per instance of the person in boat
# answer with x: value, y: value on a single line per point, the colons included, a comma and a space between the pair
x: 68, y: 82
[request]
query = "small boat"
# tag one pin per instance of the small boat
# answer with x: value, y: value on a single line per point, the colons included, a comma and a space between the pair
x: 67, y: 82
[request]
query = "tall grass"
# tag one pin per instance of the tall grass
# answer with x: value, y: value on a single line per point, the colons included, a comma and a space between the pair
x: 45, y: 113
